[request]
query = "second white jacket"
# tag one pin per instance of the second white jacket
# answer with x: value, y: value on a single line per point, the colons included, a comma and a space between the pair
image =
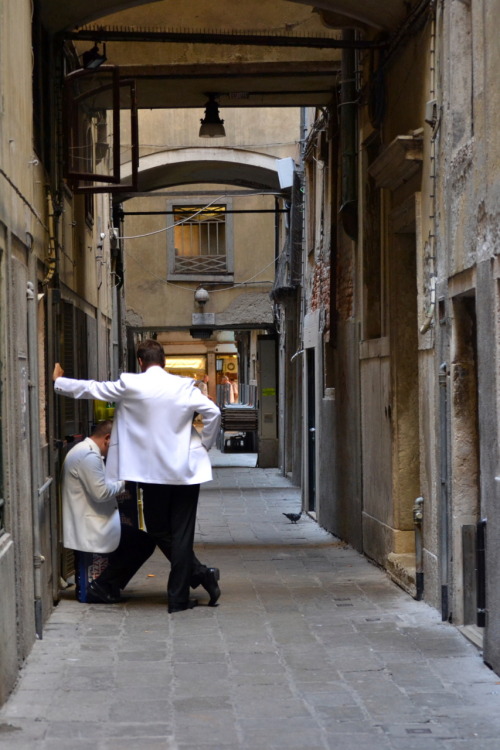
x: 91, y: 521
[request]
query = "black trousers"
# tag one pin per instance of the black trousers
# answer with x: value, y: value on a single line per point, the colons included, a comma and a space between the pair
x: 170, y: 516
x: 134, y: 549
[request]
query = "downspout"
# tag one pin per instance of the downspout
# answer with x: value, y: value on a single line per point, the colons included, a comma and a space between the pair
x: 276, y: 232
x: 444, y: 479
x: 50, y: 285
x: 117, y: 251
x: 433, y: 120
x: 38, y: 558
x: 348, y: 111
x: 418, y: 520
x: 52, y: 254
x: 53, y: 296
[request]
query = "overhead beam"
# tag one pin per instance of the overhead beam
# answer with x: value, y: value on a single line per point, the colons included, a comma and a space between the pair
x: 237, y: 85
x: 116, y: 34
x: 292, y: 70
x: 188, y: 212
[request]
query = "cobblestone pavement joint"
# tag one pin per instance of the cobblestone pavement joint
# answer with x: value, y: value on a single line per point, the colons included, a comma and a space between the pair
x: 311, y: 647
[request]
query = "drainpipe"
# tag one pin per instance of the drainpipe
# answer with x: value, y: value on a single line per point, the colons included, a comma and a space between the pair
x: 444, y: 499
x: 418, y: 518
x: 481, y: 573
x: 348, y: 111
x: 38, y: 558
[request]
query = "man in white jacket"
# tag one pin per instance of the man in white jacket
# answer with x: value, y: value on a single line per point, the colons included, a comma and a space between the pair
x: 91, y: 521
x: 153, y: 442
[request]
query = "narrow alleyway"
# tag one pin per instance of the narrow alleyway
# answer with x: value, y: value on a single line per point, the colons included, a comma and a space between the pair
x: 311, y: 647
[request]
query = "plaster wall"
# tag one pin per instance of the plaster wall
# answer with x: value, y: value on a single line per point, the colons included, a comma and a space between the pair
x: 84, y: 258
x: 470, y: 149
x: 267, y: 130
x: 469, y: 234
x: 393, y: 383
x: 8, y: 656
x: 340, y: 479
x: 21, y: 227
x: 25, y: 219
x: 16, y: 150
x: 156, y: 302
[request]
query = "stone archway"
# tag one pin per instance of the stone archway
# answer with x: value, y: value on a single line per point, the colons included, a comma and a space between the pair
x: 228, y: 166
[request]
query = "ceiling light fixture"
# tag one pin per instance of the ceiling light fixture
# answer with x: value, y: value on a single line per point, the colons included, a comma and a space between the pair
x: 92, y: 58
x: 211, y: 125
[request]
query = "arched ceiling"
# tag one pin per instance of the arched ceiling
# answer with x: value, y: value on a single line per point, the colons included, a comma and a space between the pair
x: 190, y: 166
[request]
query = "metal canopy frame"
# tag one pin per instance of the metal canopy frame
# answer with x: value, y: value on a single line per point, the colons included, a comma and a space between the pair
x: 73, y: 104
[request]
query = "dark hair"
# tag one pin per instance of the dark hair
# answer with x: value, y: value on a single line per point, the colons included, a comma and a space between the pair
x: 151, y: 352
x: 102, y: 428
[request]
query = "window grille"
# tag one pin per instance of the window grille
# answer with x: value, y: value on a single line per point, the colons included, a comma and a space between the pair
x: 200, y: 240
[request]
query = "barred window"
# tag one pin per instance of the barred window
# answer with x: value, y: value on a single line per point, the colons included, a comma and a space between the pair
x: 198, y: 242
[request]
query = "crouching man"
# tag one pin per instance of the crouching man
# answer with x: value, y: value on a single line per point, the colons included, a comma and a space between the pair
x: 91, y: 521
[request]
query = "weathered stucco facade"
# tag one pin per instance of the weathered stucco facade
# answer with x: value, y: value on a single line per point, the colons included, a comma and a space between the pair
x: 226, y: 175
x: 56, y: 304
x: 402, y: 312
x: 380, y: 282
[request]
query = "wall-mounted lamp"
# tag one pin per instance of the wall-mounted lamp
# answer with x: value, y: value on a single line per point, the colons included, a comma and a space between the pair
x: 92, y: 58
x: 211, y: 125
x: 201, y: 296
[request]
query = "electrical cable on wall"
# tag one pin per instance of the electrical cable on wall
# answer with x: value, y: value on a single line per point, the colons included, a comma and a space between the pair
x: 182, y: 221
x: 177, y: 223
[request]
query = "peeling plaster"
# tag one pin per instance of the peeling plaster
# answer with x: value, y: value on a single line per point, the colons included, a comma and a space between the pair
x: 248, y: 309
x: 133, y: 319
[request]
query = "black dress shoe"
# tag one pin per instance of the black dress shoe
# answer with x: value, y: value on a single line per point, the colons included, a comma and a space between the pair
x: 98, y: 593
x: 209, y: 583
x: 191, y: 604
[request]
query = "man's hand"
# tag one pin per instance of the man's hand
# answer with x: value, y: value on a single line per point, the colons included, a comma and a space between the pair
x: 58, y: 371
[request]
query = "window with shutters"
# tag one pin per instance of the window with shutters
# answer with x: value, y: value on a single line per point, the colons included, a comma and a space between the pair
x: 76, y: 414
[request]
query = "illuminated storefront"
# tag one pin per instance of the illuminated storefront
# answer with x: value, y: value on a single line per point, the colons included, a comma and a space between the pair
x: 186, y: 366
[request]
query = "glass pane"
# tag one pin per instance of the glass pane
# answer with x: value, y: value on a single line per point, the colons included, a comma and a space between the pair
x: 199, y: 232
x: 101, y: 136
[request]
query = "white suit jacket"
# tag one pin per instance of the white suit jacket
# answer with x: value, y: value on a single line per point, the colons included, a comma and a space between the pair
x: 91, y: 522
x: 153, y: 439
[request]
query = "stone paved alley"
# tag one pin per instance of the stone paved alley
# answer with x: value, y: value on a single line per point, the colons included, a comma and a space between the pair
x: 311, y: 647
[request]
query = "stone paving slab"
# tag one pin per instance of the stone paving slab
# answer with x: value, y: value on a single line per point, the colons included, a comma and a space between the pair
x: 312, y: 647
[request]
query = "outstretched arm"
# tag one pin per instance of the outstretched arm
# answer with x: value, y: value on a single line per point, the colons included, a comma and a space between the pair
x: 58, y: 372
x: 105, y: 391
